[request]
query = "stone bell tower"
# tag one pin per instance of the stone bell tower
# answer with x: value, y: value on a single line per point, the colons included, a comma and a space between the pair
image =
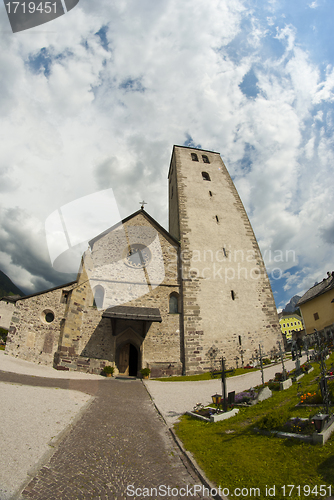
x: 228, y: 305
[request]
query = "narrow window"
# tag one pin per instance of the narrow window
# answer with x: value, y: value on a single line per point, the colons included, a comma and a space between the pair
x: 98, y: 297
x: 232, y: 295
x: 194, y: 157
x: 210, y: 193
x: 205, y: 159
x: 64, y: 297
x: 225, y: 254
x: 173, y: 304
x: 217, y: 219
x: 239, y: 339
x: 206, y: 176
x: 316, y: 316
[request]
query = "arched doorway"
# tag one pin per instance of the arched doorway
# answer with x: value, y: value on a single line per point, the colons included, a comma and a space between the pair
x: 128, y: 360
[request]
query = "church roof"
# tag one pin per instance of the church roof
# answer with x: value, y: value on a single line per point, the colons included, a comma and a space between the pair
x: 138, y: 212
x: 134, y: 313
x: 15, y: 298
x: 318, y: 289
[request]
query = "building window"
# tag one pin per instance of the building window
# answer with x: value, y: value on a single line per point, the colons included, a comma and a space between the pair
x: 205, y: 159
x: 232, y: 295
x: 173, y: 304
x: 316, y: 316
x: 206, y: 176
x: 217, y: 219
x: 194, y: 157
x: 49, y: 317
x: 283, y: 325
x: 210, y: 193
x: 64, y: 297
x: 224, y: 251
x: 98, y: 296
x: 239, y: 339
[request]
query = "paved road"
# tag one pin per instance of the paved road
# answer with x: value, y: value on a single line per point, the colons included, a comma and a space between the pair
x: 119, y: 444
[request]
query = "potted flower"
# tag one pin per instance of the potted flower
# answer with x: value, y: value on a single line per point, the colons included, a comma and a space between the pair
x: 108, y: 371
x: 145, y: 372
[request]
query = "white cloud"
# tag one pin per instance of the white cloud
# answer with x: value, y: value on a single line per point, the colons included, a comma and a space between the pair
x: 94, y: 118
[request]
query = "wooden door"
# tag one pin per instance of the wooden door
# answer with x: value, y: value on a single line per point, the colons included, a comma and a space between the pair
x: 124, y: 359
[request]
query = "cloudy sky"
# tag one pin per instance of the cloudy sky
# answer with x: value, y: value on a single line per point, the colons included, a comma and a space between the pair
x: 96, y: 98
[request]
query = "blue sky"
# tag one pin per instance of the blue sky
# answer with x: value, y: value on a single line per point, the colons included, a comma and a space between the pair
x: 96, y: 99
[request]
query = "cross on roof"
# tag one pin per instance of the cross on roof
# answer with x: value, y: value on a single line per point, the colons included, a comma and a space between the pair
x: 142, y: 204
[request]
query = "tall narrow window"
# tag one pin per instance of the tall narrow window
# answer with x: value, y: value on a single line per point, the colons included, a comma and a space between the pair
x: 205, y: 159
x: 173, y: 304
x: 224, y: 251
x: 210, y: 193
x: 316, y: 316
x: 206, y: 176
x: 194, y: 157
x: 98, y: 296
x: 217, y: 219
x: 232, y: 294
x: 239, y: 339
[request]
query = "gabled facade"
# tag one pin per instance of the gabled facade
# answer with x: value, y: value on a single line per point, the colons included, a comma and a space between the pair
x: 317, y: 305
x: 175, y: 301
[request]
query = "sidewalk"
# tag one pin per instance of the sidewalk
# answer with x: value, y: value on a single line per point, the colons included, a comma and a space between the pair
x: 173, y: 399
x: 115, y: 445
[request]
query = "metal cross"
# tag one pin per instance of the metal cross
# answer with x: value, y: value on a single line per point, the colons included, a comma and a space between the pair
x: 142, y: 204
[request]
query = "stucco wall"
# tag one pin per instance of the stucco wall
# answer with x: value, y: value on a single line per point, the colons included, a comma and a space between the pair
x: 321, y: 305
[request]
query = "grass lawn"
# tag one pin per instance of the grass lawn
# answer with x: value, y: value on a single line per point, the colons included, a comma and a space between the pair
x: 205, y: 376
x: 234, y: 457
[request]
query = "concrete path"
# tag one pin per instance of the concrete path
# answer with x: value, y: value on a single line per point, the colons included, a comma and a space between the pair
x: 112, y: 443
x: 117, y: 447
x: 173, y: 399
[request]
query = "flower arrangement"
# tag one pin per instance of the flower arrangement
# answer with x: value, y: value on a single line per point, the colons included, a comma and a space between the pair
x: 299, y: 426
x: 308, y: 398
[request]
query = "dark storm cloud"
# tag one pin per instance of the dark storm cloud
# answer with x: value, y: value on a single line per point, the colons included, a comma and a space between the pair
x: 23, y: 239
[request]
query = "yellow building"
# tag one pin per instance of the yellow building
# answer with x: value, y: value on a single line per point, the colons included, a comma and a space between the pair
x: 317, y: 305
x: 290, y: 322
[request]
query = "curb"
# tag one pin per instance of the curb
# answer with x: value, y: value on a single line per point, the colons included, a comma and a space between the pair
x: 188, y: 456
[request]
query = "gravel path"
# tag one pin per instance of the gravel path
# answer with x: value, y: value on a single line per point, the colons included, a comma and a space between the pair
x: 35, y: 416
x: 31, y: 420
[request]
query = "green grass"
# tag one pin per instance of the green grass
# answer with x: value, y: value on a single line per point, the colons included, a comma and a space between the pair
x: 233, y: 456
x: 2, y: 347
x: 205, y: 376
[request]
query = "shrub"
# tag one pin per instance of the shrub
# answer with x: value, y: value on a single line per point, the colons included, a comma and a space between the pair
x: 145, y: 372
x: 108, y: 369
x: 273, y: 420
x: 266, y: 361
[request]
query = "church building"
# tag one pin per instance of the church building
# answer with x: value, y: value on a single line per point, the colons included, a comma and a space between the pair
x: 174, y: 301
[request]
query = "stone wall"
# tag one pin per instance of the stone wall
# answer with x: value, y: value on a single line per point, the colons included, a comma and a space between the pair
x: 6, y: 313
x: 31, y: 336
x: 86, y: 335
x: 228, y: 303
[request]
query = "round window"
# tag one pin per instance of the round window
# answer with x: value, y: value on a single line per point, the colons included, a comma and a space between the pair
x: 49, y: 317
x: 137, y: 256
